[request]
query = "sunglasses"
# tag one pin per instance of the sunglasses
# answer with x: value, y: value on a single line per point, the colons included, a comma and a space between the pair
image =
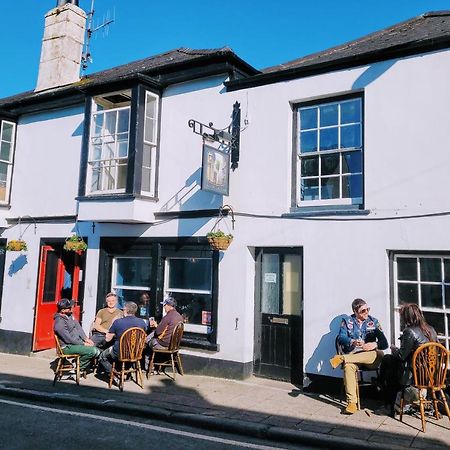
x: 364, y: 310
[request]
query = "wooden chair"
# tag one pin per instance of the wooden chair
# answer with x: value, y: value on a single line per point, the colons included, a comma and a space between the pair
x: 360, y: 381
x: 131, y: 346
x: 65, y: 363
x: 170, y: 355
x: 429, y: 366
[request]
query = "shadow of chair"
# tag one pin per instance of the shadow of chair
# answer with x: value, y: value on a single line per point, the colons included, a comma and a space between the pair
x: 65, y: 364
x: 429, y: 366
x: 131, y: 346
x: 359, y: 374
x: 170, y: 356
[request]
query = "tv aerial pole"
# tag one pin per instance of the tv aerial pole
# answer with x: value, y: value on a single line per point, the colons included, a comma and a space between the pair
x: 86, y: 57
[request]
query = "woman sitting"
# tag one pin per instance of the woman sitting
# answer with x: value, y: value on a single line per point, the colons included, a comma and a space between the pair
x: 396, y: 369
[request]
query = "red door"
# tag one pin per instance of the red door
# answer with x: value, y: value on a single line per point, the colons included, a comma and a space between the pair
x: 59, y: 277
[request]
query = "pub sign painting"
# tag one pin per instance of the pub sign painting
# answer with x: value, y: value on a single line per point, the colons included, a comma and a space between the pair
x: 215, y: 170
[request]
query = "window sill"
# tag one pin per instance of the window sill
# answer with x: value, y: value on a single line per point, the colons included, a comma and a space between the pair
x: 114, y: 197
x: 330, y: 210
x: 199, y: 343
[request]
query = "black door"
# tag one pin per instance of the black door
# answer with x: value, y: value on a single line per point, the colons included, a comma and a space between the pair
x: 278, y: 315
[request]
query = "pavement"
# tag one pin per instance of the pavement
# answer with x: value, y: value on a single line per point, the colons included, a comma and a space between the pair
x: 262, y: 408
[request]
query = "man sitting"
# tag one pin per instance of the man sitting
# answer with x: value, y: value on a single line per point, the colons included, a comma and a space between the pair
x: 104, y: 319
x: 119, y: 327
x: 360, y: 336
x: 71, y: 336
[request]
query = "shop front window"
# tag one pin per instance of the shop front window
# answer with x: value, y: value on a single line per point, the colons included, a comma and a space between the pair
x: 189, y: 281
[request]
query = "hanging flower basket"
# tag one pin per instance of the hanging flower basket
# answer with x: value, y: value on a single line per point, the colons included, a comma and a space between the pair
x: 218, y: 240
x: 16, y: 245
x: 75, y: 244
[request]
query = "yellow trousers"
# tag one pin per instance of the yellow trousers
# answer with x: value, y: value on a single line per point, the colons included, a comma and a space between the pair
x: 370, y: 360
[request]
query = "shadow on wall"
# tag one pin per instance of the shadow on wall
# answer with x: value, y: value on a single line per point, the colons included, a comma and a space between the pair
x: 191, y: 198
x: 18, y: 264
x: 372, y: 73
x: 319, y: 361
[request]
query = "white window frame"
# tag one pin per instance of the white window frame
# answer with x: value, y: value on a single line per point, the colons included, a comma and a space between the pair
x: 10, y: 162
x: 193, y: 328
x: 444, y: 310
x: 339, y: 151
x: 114, y: 162
x: 153, y: 144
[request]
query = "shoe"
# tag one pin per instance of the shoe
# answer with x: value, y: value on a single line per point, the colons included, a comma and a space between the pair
x: 336, y: 361
x: 351, y: 408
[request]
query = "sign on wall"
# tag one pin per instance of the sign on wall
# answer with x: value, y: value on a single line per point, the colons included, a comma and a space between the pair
x: 215, y: 170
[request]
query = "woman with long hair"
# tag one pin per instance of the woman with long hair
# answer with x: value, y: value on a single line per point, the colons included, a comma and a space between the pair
x: 395, y: 369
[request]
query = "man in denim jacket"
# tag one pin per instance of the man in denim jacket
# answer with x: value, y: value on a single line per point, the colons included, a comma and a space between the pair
x: 361, y: 340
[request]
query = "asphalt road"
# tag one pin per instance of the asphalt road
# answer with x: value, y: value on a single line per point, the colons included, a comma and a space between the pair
x: 26, y: 425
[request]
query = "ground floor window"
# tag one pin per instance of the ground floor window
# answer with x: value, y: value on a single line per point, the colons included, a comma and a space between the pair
x: 424, y: 279
x: 189, y: 281
x: 131, y: 282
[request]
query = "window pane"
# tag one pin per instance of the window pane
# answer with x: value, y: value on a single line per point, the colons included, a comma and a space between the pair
x: 192, y: 274
x: 308, y: 141
x: 96, y: 152
x: 430, y: 269
x: 436, y: 320
x: 352, y: 186
x: 122, y: 147
x: 7, y: 131
x: 110, y: 123
x: 351, y: 111
x: 329, y: 115
x: 447, y: 270
x: 330, y: 164
x: 310, y: 166
x: 96, y: 177
x: 145, y: 183
x: 5, y: 151
x: 351, y: 136
x: 121, y: 176
x: 407, y: 293
x: 133, y: 271
x: 407, y: 269
x: 310, y: 189
x: 329, y: 138
x: 3, y: 180
x: 352, y: 162
x: 308, y: 118
x: 270, y: 295
x: 150, y: 109
x: 330, y: 188
x: 146, y: 155
x: 195, y: 308
x: 150, y: 135
x: 447, y: 297
x: 98, y: 124
x: 431, y: 295
x: 124, y: 121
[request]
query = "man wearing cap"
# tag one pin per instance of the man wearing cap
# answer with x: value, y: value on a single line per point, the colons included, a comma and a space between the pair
x: 160, y: 338
x: 361, y: 339
x: 72, y: 338
x: 118, y: 327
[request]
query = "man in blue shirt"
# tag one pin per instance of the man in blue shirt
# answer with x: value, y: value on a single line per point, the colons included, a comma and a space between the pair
x: 118, y: 327
x: 361, y: 339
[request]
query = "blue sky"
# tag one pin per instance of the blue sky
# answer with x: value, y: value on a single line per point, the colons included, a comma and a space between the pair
x: 262, y: 32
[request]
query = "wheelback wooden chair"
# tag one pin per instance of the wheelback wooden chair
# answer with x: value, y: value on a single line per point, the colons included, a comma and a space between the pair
x: 170, y: 356
x: 359, y: 374
x: 131, y: 346
x: 65, y: 364
x: 429, y: 366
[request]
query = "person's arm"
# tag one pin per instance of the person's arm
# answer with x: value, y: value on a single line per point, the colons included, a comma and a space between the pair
x: 343, y: 338
x: 110, y: 334
x: 382, y: 342
x: 98, y: 327
x: 62, y: 330
x: 407, y: 344
x: 162, y: 325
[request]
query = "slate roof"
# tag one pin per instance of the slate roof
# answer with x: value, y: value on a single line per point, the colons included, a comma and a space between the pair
x: 152, y: 67
x: 428, y: 32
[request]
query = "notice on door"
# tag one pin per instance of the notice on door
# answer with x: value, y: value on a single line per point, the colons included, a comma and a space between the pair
x: 270, y: 277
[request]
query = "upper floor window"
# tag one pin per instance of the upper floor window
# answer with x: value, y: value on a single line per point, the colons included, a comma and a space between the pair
x: 7, y: 138
x: 122, y: 143
x: 330, y: 168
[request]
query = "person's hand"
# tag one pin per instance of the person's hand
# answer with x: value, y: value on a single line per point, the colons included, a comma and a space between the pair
x: 153, y: 323
x: 89, y: 343
x: 369, y: 346
x: 357, y: 342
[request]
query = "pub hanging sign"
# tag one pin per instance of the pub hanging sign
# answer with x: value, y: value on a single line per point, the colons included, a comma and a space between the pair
x: 215, y: 170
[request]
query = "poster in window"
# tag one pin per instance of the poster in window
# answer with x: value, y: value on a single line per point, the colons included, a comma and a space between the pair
x: 206, y: 317
x: 215, y: 170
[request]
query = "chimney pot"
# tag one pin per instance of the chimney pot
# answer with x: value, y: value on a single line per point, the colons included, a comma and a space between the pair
x: 63, y: 2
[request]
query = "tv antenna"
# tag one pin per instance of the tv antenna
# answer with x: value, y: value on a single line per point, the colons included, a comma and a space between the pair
x: 86, y: 57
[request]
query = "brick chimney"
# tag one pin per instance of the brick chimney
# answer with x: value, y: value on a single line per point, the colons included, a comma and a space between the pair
x: 62, y: 46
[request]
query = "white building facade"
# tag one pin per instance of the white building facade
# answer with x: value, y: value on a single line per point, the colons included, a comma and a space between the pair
x: 339, y: 193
